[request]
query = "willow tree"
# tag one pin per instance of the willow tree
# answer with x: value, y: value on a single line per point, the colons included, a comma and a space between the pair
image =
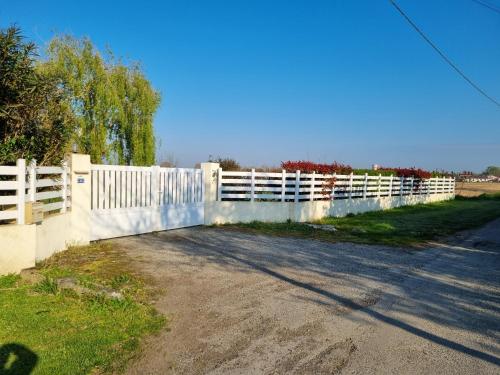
x: 113, y: 103
x: 134, y: 141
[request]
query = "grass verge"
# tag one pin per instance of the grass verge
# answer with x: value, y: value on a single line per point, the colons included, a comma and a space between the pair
x: 409, y: 225
x: 64, y: 316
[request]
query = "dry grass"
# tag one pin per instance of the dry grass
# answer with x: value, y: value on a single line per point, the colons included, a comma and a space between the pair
x: 474, y: 189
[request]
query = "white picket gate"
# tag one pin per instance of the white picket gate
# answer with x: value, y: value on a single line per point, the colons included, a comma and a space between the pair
x: 129, y: 200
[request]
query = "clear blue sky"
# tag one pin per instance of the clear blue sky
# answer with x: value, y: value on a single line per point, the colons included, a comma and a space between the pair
x: 265, y: 81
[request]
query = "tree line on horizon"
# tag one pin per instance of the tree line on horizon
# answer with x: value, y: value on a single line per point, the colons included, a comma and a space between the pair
x: 73, y: 99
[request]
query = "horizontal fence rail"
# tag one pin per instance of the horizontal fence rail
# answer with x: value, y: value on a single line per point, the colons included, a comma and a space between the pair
x: 120, y: 187
x: 23, y: 183
x: 301, y: 187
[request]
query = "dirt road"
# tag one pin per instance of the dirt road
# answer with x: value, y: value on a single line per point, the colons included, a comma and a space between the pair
x: 246, y: 304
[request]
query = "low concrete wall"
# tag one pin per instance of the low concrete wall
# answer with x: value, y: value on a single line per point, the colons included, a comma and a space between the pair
x: 24, y: 245
x: 53, y: 235
x: 17, y: 248
x: 227, y: 212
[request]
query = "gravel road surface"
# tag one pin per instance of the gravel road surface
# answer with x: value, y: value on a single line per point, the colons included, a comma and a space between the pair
x: 240, y: 303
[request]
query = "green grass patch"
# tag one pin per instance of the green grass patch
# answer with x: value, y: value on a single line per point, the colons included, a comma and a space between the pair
x: 60, y: 330
x: 409, y: 225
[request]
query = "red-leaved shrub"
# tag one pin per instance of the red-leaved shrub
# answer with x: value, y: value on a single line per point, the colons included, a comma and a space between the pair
x: 309, y: 167
x: 409, y: 172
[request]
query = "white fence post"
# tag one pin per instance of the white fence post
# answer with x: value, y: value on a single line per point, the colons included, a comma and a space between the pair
x: 252, y: 187
x: 297, y: 185
x: 21, y: 189
x: 365, y: 187
x: 350, y: 185
x: 332, y: 195
x: 219, y: 184
x: 390, y: 185
x: 401, y: 180
x: 32, y: 181
x: 411, y: 185
x: 379, y: 182
x: 283, y: 185
x: 311, y: 191
x: 64, y: 190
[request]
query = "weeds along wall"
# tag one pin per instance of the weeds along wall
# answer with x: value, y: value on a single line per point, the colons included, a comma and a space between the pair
x: 234, y: 197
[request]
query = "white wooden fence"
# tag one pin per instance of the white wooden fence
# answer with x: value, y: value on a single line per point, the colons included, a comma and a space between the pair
x: 21, y: 183
x: 300, y: 187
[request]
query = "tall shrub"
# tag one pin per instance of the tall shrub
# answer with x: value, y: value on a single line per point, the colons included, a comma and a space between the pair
x: 35, y: 120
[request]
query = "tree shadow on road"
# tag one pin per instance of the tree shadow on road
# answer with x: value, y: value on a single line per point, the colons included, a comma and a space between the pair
x: 460, y: 292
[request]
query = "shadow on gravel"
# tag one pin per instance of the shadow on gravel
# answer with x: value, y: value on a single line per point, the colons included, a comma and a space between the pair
x: 461, y: 291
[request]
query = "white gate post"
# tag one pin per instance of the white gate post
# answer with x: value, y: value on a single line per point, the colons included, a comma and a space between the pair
x: 212, y: 176
x: 80, y: 199
x: 390, y: 185
x: 21, y: 189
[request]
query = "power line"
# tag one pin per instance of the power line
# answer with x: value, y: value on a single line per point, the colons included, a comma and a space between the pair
x: 443, y: 56
x: 486, y: 5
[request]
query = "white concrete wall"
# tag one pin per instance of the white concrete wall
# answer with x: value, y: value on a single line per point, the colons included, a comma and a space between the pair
x: 17, y: 248
x: 244, y: 212
x: 53, y: 235
x: 22, y: 246
x: 227, y: 212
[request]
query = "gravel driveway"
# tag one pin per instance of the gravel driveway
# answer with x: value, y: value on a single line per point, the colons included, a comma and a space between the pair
x: 248, y: 304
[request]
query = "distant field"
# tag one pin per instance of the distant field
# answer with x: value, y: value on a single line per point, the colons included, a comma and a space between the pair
x: 473, y: 189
